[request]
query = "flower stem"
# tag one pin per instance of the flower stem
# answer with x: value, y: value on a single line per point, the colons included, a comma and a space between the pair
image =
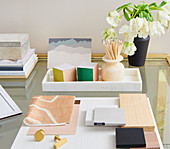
x: 132, y: 7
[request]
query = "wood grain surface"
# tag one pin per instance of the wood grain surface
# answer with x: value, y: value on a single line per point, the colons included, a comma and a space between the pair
x: 168, y: 59
x: 151, y: 141
x: 137, y: 112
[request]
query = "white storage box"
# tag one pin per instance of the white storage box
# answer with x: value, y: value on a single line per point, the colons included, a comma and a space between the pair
x: 13, y: 46
x: 131, y: 82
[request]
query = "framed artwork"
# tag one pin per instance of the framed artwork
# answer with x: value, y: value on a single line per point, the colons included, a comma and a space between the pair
x: 73, y: 51
x: 7, y: 105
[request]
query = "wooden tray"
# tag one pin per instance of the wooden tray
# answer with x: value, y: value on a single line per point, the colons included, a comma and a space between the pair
x: 131, y: 82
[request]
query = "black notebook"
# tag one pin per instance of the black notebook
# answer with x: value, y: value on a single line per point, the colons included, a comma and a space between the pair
x: 130, y: 138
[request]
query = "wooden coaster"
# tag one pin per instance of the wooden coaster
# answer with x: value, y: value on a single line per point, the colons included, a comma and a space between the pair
x: 137, y: 111
x: 151, y: 141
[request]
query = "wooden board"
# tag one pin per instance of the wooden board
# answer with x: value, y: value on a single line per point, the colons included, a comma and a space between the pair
x: 137, y: 112
x: 100, y: 55
x: 151, y: 141
x: 168, y: 59
x: 20, y: 77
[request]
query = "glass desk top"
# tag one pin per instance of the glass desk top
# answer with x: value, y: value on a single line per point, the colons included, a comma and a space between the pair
x: 156, y: 84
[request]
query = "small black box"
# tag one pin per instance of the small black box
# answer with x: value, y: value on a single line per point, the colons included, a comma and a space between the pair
x: 130, y: 138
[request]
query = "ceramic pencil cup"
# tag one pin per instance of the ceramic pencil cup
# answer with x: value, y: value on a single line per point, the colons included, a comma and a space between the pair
x: 112, y: 70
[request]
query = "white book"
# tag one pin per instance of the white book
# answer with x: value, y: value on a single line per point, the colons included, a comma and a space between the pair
x: 30, y: 63
x: 30, y: 66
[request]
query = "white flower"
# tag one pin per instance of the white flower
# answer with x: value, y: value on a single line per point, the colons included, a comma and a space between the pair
x: 133, y: 27
x: 109, y: 33
x: 167, y: 6
x: 156, y: 29
x: 144, y: 30
x: 163, y: 17
x: 113, y: 18
x: 125, y: 30
x: 129, y: 48
x: 139, y: 26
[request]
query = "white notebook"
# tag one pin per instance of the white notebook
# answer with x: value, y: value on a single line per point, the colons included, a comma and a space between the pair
x: 109, y: 117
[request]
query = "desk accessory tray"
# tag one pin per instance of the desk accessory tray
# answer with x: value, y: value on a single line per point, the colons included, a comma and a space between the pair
x: 132, y: 82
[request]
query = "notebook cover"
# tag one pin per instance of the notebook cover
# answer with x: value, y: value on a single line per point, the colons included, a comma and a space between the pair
x: 69, y: 129
x: 130, y: 138
x: 109, y: 116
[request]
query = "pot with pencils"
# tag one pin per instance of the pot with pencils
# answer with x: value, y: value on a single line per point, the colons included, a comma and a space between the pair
x: 112, y: 70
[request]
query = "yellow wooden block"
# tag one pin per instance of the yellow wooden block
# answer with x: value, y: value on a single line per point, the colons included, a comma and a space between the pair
x: 64, y: 73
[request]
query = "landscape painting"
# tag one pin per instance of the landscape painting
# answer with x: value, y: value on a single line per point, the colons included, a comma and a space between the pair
x: 69, y: 50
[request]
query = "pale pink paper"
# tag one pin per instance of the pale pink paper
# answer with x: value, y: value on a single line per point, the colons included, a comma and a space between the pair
x: 68, y: 129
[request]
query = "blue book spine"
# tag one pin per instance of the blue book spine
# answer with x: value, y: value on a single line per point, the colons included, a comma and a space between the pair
x: 10, y: 68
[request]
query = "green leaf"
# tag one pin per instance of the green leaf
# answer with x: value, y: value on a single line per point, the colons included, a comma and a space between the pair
x: 141, y: 15
x: 144, y: 14
x: 134, y: 11
x: 162, y: 4
x: 149, y: 18
x: 153, y: 4
x: 123, y: 6
x: 126, y: 15
x: 135, y: 6
x: 154, y: 8
x: 142, y: 6
x: 147, y: 8
x: 128, y: 10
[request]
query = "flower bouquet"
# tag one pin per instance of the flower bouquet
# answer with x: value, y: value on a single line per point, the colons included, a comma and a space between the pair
x: 141, y: 25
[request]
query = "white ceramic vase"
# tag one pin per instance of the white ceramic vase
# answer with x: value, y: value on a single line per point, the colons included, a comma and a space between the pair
x: 112, y: 70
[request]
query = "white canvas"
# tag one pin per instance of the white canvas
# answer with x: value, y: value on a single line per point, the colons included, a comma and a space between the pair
x: 73, y: 51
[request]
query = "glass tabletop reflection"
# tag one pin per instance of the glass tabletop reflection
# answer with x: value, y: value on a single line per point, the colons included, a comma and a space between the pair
x: 155, y: 83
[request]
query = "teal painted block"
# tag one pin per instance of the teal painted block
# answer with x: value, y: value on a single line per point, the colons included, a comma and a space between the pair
x: 85, y: 74
x: 88, y: 72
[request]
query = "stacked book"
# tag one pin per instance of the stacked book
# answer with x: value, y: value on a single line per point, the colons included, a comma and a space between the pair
x: 17, y: 60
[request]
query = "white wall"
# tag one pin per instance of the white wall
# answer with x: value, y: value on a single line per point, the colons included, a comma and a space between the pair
x: 64, y: 18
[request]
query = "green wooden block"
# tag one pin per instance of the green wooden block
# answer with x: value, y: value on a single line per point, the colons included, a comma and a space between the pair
x: 85, y: 74
x: 88, y: 72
